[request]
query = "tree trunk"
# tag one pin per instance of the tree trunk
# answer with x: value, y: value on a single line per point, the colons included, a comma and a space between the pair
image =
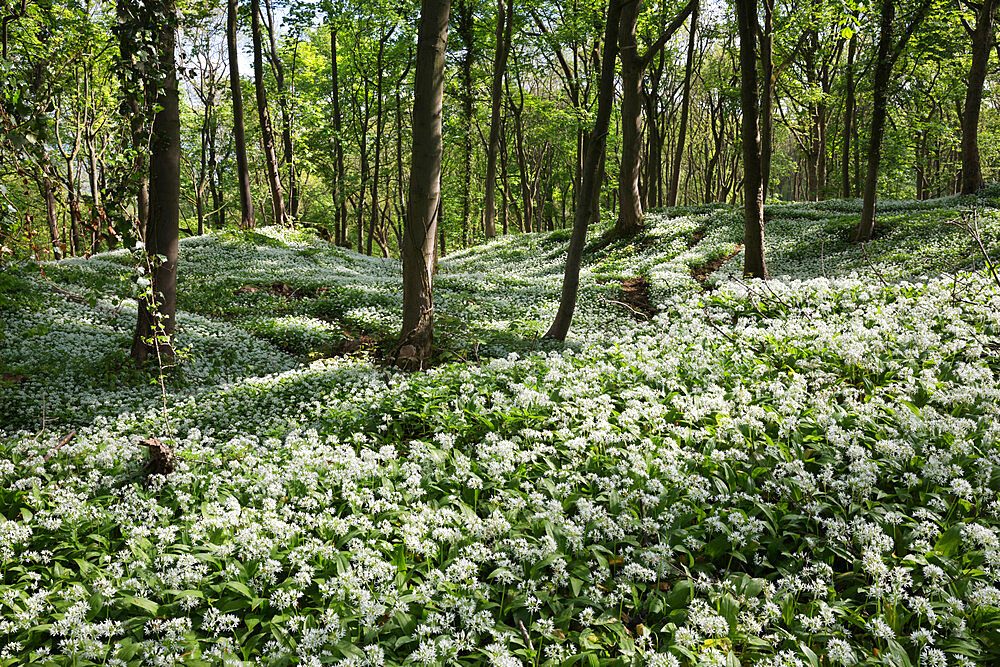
x: 596, y: 143
x: 982, y: 40
x: 51, y: 214
x: 215, y: 189
x: 286, y: 116
x: 133, y: 81
x: 363, y: 140
x: 239, y: 135
x: 630, y: 213
x: 503, y: 37
x: 884, y: 62
x: 464, y: 27
x: 754, y: 265
x: 266, y: 130
x: 340, y: 196
x: 522, y: 167
x: 379, y: 127
x: 416, y: 339
x: 849, y: 111
x: 76, y: 224
x: 675, y: 173
x: 633, y: 66
x: 400, y: 190
x: 154, y: 332
x: 767, y: 97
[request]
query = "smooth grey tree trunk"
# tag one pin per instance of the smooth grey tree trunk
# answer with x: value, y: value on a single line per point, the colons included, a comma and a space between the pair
x: 633, y: 67
x: 416, y: 340
x: 503, y: 37
x: 982, y: 40
x: 154, y: 331
x: 266, y: 129
x: 239, y: 134
x: 593, y: 159
x: 754, y: 265
x: 885, y: 59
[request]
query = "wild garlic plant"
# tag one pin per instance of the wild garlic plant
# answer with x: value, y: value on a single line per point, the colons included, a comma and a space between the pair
x: 802, y: 472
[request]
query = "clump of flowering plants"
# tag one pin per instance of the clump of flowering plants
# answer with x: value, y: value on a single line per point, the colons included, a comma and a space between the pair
x: 802, y: 472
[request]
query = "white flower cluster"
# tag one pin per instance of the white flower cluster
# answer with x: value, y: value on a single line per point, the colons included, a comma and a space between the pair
x: 791, y: 473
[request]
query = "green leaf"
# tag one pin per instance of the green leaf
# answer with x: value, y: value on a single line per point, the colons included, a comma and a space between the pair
x: 950, y: 541
x: 240, y: 588
x: 142, y: 603
x: 127, y: 649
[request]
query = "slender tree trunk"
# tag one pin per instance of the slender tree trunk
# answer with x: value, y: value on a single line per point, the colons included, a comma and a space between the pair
x: 675, y: 173
x: 754, y: 265
x: 849, y: 111
x: 503, y: 38
x: 982, y: 40
x: 51, y: 214
x: 885, y: 59
x: 416, y: 339
x: 76, y: 224
x: 286, y: 117
x: 920, y: 158
x: 218, y: 210
x: 266, y: 130
x: 596, y: 143
x: 154, y: 332
x: 203, y: 169
x: 522, y: 167
x: 379, y: 127
x: 364, y: 176
x: 767, y: 97
x: 633, y: 66
x: 883, y: 71
x: 653, y: 194
x: 505, y: 183
x: 465, y: 28
x: 630, y: 214
x: 132, y: 83
x: 239, y: 135
x: 340, y: 196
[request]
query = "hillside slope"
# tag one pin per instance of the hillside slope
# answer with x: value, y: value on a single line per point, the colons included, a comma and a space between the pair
x: 799, y: 472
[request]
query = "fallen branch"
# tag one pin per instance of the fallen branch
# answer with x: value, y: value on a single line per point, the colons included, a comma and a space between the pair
x: 973, y: 230
x: 877, y: 272
x: 634, y: 310
x: 62, y: 442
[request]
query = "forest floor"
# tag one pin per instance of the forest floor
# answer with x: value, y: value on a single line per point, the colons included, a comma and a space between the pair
x: 799, y: 472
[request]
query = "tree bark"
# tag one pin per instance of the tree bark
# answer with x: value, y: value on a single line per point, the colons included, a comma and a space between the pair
x: 503, y: 38
x: 464, y: 27
x: 633, y: 66
x: 239, y: 135
x: 340, y: 196
x: 849, y: 110
x: 379, y: 127
x: 885, y: 59
x: 286, y: 117
x: 982, y: 40
x: 754, y: 265
x: 416, y: 339
x: 675, y: 172
x: 51, y: 215
x: 767, y: 96
x: 266, y: 130
x: 595, y: 149
x: 154, y: 332
x: 132, y: 82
